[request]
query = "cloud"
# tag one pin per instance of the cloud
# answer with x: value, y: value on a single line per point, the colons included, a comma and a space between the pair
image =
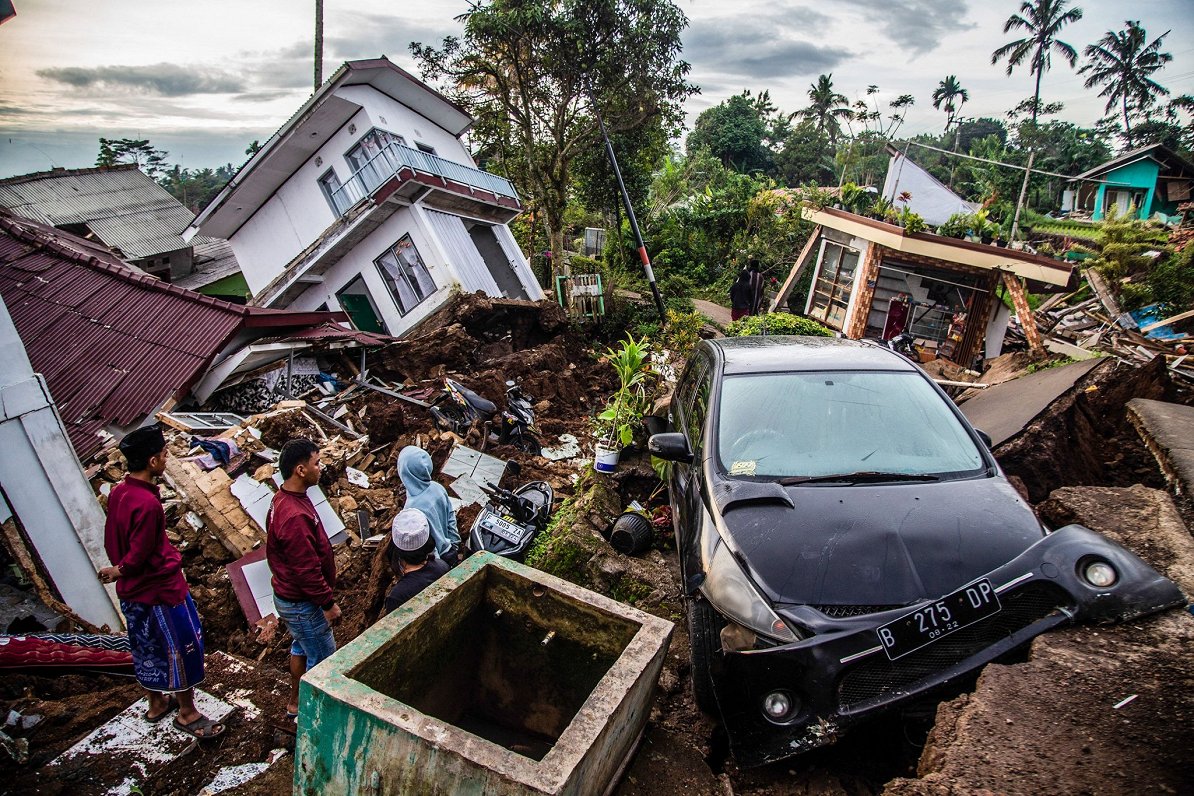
x: 264, y: 96
x: 760, y: 47
x: 166, y: 80
x: 915, y: 25
x: 373, y: 35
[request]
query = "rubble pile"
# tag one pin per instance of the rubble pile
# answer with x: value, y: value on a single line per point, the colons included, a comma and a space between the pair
x: 1090, y: 322
x: 360, y: 430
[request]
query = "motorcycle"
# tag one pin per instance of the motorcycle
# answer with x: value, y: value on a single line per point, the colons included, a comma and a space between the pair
x: 510, y: 521
x: 458, y: 409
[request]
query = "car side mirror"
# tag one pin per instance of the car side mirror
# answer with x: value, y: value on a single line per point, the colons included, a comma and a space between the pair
x: 672, y: 447
x: 985, y: 437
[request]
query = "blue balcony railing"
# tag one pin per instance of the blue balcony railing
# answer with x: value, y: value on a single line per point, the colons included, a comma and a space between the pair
x: 394, y: 156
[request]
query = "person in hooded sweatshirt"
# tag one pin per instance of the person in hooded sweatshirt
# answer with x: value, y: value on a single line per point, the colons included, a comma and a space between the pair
x: 414, y: 468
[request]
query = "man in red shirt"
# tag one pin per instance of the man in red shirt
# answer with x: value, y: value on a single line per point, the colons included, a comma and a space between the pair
x: 303, y: 565
x: 164, y: 631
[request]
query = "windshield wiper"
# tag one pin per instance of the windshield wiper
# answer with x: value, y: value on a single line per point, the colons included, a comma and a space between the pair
x: 863, y: 477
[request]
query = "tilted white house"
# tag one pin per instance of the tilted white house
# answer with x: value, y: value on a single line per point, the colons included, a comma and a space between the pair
x: 368, y: 201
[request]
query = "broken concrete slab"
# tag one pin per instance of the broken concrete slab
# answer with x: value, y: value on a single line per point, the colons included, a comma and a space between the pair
x: 498, y: 679
x: 470, y: 468
x: 233, y: 777
x: 140, y: 749
x: 1141, y: 519
x: 1168, y: 432
x: 1093, y: 710
x: 1005, y: 409
x: 210, y: 495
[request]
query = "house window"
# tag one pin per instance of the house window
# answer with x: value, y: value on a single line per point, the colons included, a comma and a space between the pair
x: 405, y: 274
x: 371, y: 160
x: 329, y: 184
x: 830, y: 296
x: 430, y: 150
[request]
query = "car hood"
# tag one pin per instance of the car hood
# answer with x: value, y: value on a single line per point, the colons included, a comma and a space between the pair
x: 879, y: 545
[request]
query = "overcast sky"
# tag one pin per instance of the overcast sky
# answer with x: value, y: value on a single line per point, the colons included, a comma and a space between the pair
x: 203, y: 79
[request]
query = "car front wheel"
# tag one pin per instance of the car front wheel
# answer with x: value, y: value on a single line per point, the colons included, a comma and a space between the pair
x: 705, y: 646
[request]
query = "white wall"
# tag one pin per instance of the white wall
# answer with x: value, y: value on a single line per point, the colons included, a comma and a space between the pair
x: 45, y: 486
x: 361, y: 261
x: 932, y: 200
x: 298, y: 212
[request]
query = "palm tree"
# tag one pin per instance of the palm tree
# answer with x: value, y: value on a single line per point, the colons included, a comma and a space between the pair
x: 1043, y: 20
x: 1121, y: 62
x: 827, y: 107
x: 945, y: 93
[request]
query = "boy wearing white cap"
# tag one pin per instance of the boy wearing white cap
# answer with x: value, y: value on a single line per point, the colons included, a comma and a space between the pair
x: 411, y: 554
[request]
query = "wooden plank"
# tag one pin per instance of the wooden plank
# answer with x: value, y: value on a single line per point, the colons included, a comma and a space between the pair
x: 1103, y: 291
x: 797, y: 269
x: 1174, y: 319
x: 232, y: 526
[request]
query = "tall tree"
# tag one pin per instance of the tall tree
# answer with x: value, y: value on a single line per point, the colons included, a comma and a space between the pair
x: 733, y: 132
x: 1123, y: 63
x: 530, y: 72
x: 827, y: 109
x: 1042, y: 20
x: 149, y: 159
x: 947, y: 92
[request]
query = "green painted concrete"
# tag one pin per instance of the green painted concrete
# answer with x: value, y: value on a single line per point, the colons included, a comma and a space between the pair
x: 1138, y: 176
x: 351, y: 729
x: 232, y: 285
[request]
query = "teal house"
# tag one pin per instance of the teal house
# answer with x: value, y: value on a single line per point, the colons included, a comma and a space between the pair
x: 1147, y: 180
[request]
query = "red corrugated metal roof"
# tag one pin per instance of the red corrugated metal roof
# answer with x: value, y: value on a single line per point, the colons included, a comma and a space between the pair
x: 113, y: 343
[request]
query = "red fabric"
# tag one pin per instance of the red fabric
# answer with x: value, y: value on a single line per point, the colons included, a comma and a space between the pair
x: 135, y: 538
x: 298, y: 551
x: 735, y: 314
x: 24, y: 651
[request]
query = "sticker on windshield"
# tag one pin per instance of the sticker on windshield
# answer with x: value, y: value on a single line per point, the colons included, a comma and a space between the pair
x: 744, y: 468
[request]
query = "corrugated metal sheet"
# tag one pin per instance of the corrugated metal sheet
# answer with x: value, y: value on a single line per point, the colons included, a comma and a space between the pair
x: 112, y: 343
x: 124, y: 207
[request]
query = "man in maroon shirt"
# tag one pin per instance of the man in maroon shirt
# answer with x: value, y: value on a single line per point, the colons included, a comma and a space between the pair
x: 303, y: 565
x: 164, y: 631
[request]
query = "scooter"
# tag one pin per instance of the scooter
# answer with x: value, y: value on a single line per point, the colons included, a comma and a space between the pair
x: 458, y: 409
x: 510, y: 521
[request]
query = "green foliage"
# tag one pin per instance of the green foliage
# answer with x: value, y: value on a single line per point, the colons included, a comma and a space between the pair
x: 195, y: 188
x: 528, y: 72
x: 114, y: 151
x: 911, y: 222
x: 776, y: 323
x: 1171, y: 281
x: 1124, y: 244
x: 732, y: 131
x: 957, y: 226
x: 682, y: 332
x: 1033, y: 367
x: 625, y: 410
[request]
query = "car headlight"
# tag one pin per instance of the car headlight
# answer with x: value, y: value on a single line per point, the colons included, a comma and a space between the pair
x: 731, y: 592
x: 1098, y: 573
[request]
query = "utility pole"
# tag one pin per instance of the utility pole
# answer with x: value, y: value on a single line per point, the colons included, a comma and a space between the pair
x: 638, y: 236
x: 318, y: 44
x: 1023, y: 193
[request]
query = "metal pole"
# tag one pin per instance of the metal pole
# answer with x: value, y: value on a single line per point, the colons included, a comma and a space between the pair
x: 318, y: 44
x: 289, y: 373
x: 1023, y: 192
x: 638, y: 236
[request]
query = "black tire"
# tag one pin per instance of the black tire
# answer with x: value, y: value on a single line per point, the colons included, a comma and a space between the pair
x: 528, y: 444
x: 704, y: 639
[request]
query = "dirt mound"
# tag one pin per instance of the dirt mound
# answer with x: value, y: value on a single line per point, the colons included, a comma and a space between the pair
x: 385, y: 420
x: 1084, y: 438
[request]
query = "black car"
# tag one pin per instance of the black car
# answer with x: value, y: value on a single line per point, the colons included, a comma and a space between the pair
x: 850, y: 543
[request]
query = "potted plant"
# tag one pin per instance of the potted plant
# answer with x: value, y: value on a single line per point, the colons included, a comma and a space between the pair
x: 623, y: 414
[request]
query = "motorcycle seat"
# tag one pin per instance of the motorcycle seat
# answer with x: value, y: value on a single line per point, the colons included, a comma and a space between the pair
x: 482, y: 405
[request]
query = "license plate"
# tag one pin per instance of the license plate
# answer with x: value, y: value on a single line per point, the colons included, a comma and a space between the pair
x: 925, y: 625
x: 501, y: 528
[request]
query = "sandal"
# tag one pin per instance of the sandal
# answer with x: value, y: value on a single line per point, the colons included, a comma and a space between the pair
x: 171, y: 706
x: 197, y: 727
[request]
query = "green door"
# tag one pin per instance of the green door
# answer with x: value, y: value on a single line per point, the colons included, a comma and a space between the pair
x: 354, y: 299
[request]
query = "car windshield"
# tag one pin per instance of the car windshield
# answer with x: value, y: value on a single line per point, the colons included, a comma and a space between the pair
x: 826, y: 423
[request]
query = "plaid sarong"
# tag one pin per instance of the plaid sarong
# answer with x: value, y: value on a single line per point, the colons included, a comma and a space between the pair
x: 167, y: 644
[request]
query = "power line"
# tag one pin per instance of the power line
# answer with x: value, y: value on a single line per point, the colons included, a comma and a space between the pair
x: 1000, y: 163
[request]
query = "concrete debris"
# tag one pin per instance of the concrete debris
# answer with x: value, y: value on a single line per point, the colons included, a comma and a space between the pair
x: 569, y: 448
x: 231, y: 777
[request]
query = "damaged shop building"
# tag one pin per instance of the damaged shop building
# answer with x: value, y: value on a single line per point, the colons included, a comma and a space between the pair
x: 367, y: 201
x: 876, y: 280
